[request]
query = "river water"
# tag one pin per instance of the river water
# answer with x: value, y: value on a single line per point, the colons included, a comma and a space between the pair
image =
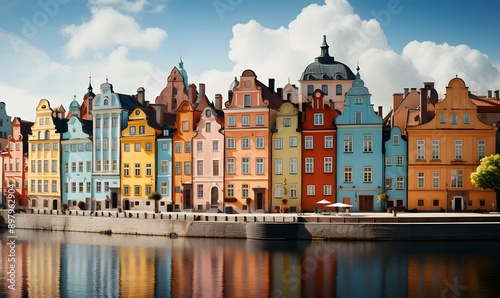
x: 62, y: 264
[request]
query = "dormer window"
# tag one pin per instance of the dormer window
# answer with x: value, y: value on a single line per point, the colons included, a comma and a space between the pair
x: 208, y: 113
x: 106, y: 101
x: 358, y: 100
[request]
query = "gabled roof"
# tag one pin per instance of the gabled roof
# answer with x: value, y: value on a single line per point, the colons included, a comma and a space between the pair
x: 274, y: 99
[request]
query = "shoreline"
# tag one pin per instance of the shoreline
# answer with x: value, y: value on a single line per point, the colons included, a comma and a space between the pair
x: 365, y: 227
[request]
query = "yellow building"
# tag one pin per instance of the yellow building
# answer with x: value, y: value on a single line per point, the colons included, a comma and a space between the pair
x: 138, y: 151
x: 443, y: 152
x: 45, y: 157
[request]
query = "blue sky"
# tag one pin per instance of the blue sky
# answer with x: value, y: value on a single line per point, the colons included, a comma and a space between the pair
x: 48, y: 48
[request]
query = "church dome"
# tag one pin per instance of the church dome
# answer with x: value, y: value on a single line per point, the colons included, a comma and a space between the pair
x: 326, y: 68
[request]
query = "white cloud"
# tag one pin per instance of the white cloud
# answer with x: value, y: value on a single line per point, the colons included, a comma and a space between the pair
x: 128, y: 6
x: 285, y: 52
x: 108, y: 29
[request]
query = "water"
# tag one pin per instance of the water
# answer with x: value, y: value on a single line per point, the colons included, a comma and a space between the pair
x: 58, y: 264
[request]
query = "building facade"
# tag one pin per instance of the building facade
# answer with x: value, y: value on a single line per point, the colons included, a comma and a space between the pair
x: 396, y: 169
x: 443, y: 152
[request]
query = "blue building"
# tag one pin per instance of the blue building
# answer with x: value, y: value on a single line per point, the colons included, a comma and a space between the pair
x: 76, y: 159
x: 396, y: 169
x: 110, y: 112
x: 359, y: 151
x: 164, y: 165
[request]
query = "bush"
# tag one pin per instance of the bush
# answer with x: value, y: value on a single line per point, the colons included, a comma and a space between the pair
x: 81, y: 205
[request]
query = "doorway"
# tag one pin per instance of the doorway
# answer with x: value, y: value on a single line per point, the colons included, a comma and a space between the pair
x: 457, y: 204
x: 214, y: 198
x: 126, y: 204
x: 365, y: 203
x: 187, y: 198
x: 54, y: 205
x: 114, y: 200
x: 259, y: 200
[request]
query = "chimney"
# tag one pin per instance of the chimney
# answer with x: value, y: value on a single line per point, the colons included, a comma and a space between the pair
x: 497, y: 94
x: 141, y: 94
x: 490, y: 93
x: 218, y: 101
x: 280, y: 92
x: 271, y: 85
x: 159, y: 112
x: 407, y: 91
x: 429, y: 85
x: 423, y: 106
x: 202, y: 91
x: 191, y: 93
x: 230, y: 95
x: 397, y: 99
x: 380, y: 111
x: 413, y: 89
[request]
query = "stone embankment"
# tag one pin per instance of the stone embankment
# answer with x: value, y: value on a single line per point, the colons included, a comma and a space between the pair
x: 266, y: 226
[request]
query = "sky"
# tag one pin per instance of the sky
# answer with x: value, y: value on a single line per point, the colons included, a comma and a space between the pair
x: 49, y: 48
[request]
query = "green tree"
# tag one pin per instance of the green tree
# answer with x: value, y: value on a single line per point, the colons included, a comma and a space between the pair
x: 487, y: 174
x: 156, y: 197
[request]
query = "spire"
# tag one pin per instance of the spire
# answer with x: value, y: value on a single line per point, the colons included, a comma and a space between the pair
x: 358, y: 82
x: 325, y: 55
x: 90, y: 85
x: 183, y: 72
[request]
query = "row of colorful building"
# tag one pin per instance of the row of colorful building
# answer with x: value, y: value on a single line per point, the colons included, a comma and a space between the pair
x: 261, y: 149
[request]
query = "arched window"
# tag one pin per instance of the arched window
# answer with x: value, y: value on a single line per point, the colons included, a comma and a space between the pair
x: 310, y: 89
x: 289, y: 96
x: 47, y: 135
x: 174, y: 91
x: 338, y: 89
x: 174, y: 104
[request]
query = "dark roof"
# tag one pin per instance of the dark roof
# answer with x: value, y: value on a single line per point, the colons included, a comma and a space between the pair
x: 151, y: 117
x: 87, y: 126
x: 326, y: 68
x: 61, y: 125
x: 274, y: 99
x: 128, y: 102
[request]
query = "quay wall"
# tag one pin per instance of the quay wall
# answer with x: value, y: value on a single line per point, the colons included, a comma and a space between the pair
x: 263, y: 227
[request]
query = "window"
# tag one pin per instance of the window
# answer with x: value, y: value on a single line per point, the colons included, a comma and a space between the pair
x: 73, y: 187
x: 164, y: 188
x: 327, y: 190
x: 114, y: 121
x: 278, y: 190
x: 245, y: 120
x: 208, y: 127
x: 388, y: 183
x: 367, y: 143
x: 328, y: 164
x: 278, y: 143
x: 185, y: 125
x: 466, y: 119
x: 318, y: 119
x: 482, y: 203
x: 215, y: 168
x: 347, y: 174
x: 400, y: 183
x: 164, y: 166
x: 114, y: 165
x: 293, y: 141
x: 259, y: 120
x: 39, y: 165
x: 399, y: 160
x: 54, y: 165
x: 338, y: 90
x: 114, y: 143
x: 215, y: 145
x: 259, y: 142
x: 149, y: 169
x: 293, y: 165
x: 106, y: 165
x: 178, y: 168
x: 245, y: 165
x: 358, y: 101
x: 481, y: 149
x: 278, y: 166
x: 33, y: 167
x: 324, y: 89
x: 293, y: 190
x: 230, y: 165
x: 420, y: 180
x: 348, y: 140
x: 199, y: 191
x: 231, y: 121
x: 453, y: 119
x: 149, y: 146
x: 328, y: 141
x: 199, y: 146
x: 105, y: 143
x: 73, y: 167
x: 98, y: 165
x: 199, y: 167
x: 88, y: 166
x: 106, y: 122
x: 442, y: 119
x: 245, y: 143
x: 420, y: 202
x: 309, y: 165
x: 187, y: 167
x: 308, y: 144
x: 457, y: 178
x: 137, y: 169
x: 435, y: 149
x: 287, y: 122
x: 187, y: 147
x: 54, y: 185
x: 458, y: 149
x: 367, y: 174
x: 55, y: 147
x: 80, y: 187
x: 132, y: 130
x: 126, y: 169
x: 230, y: 190
x: 230, y: 143
x: 246, y: 100
x: 88, y: 187
x: 310, y: 89
x: 395, y: 140
x: 420, y: 149
x: 80, y: 166
x: 137, y: 190
x: 33, y: 147
x: 311, y: 190
x: 164, y: 146
x: 141, y: 129
x: 126, y: 147
x: 357, y: 117
x: 435, y: 179
x: 137, y: 147
x: 388, y: 161
x: 46, y: 147
x: 126, y: 190
x: 178, y: 147
x: 259, y: 167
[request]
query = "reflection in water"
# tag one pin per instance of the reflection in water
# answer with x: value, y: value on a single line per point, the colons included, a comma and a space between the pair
x: 52, y: 264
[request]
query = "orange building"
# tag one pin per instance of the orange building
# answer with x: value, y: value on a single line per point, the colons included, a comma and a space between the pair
x: 249, y: 118
x: 443, y: 153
